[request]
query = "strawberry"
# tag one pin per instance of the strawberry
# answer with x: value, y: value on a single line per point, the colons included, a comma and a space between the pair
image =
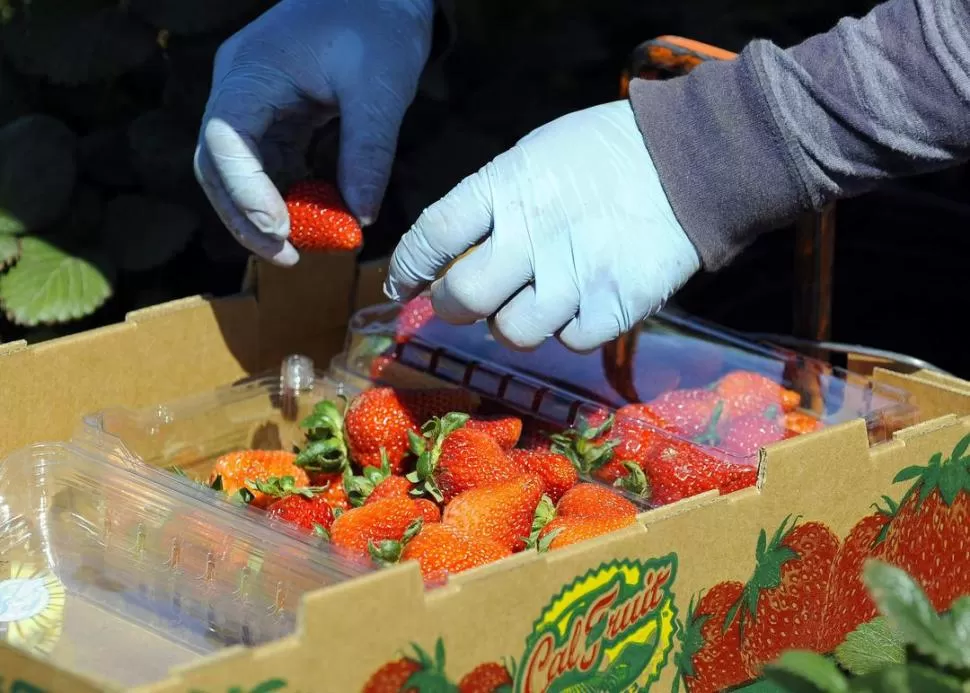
x: 306, y: 511
x: 848, y: 603
x: 361, y: 489
x: 370, y: 528
x: 443, y: 550
x: 502, y: 512
x: 429, y: 510
x: 391, y: 487
x: 556, y: 471
x: 799, y: 422
x: 413, y: 315
x: 491, y: 677
x: 746, y: 434
x: 325, y: 448
x: 319, y: 219
x: 709, y: 660
x: 565, y: 531
x: 594, y: 501
x: 681, y: 470
x: 237, y: 473
x: 685, y: 412
x: 746, y: 392
x: 929, y: 535
x: 506, y: 430
x: 382, y: 417
x: 537, y: 436
x: 452, y: 458
x: 333, y: 490
x: 780, y: 605
x: 411, y: 674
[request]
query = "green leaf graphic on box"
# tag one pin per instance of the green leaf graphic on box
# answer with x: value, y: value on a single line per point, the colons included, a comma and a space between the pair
x: 807, y: 672
x: 871, y: 646
x: 50, y: 285
x: 76, y: 41
x: 141, y: 233
x: 191, y: 16
x: 37, y: 172
x: 9, y: 250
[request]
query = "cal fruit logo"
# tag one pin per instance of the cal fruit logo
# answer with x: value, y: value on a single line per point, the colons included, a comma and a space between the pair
x: 610, y: 630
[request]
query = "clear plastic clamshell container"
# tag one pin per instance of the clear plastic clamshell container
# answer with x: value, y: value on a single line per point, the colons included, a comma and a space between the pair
x: 121, y: 574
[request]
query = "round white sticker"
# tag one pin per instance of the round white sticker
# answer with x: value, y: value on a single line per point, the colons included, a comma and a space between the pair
x: 22, y: 598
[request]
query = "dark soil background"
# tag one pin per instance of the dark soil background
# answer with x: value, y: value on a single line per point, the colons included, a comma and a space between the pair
x: 516, y: 66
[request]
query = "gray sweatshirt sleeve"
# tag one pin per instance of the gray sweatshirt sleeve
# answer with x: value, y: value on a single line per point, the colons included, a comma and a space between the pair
x: 744, y: 146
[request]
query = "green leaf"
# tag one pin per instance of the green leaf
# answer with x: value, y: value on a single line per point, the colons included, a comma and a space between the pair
x: 37, y: 172
x: 807, y: 672
x: 76, y: 41
x: 910, y: 613
x: 871, y: 646
x: 51, y: 285
x: 9, y: 250
x: 191, y: 16
x: 161, y: 152
x: 13, y: 102
x: 142, y: 233
x: 106, y: 158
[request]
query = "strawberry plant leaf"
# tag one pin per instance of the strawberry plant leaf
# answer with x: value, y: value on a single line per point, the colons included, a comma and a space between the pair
x: 51, y: 285
x: 870, y: 647
x: 910, y: 613
x: 9, y: 250
x: 142, y: 233
x: 806, y: 672
x: 13, y: 102
x: 191, y: 16
x: 76, y: 41
x: 161, y: 153
x: 37, y: 173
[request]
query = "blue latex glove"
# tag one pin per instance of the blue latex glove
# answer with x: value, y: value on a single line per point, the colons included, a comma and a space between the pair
x: 297, y: 66
x: 577, y: 238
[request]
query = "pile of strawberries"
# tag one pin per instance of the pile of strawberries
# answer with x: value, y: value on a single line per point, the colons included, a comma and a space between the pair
x: 397, y: 475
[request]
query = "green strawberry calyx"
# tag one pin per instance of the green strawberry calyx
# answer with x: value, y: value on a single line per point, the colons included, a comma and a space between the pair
x: 283, y: 486
x: 326, y: 447
x: 426, y: 447
x: 583, y: 445
x: 770, y: 557
x: 431, y: 674
x: 711, y: 435
x: 359, y: 488
x: 691, y: 638
x: 544, y: 514
x: 388, y: 551
x: 950, y: 476
x: 634, y: 481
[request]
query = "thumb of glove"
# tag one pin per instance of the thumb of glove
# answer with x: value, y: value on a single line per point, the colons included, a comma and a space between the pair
x: 368, y: 139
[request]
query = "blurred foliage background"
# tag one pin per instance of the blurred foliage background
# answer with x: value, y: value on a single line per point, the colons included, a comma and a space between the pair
x: 100, y: 102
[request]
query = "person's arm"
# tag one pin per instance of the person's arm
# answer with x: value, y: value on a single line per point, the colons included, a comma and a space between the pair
x: 745, y: 146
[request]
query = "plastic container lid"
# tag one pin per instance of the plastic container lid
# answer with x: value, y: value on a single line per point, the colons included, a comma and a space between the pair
x: 121, y: 574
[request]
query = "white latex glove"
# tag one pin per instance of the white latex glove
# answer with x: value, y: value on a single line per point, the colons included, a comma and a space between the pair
x: 294, y: 68
x: 577, y: 237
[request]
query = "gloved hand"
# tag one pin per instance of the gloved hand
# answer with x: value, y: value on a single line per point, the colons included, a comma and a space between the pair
x: 297, y: 66
x: 577, y: 237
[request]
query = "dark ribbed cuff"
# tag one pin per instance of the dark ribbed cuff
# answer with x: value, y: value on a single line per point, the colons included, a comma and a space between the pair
x: 720, y: 155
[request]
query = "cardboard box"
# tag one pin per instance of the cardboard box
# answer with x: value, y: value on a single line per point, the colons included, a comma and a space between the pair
x: 610, y: 613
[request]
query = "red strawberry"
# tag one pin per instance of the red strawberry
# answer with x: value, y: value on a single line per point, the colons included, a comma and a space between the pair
x: 595, y: 501
x: 566, y: 531
x: 382, y: 417
x: 310, y: 512
x: 506, y: 430
x: 443, y: 550
x: 746, y: 434
x: 491, y: 677
x: 238, y: 472
x: 781, y: 604
x: 537, y: 436
x: 414, y: 315
x: 746, y: 392
x: 929, y: 536
x: 391, y: 487
x: 681, y: 470
x: 686, y: 412
x: 429, y: 510
x: 453, y: 458
x: 374, y: 483
x: 848, y: 604
x: 319, y: 219
x: 799, y: 422
x: 369, y: 528
x: 502, y: 512
x: 333, y: 490
x: 556, y: 471
x: 709, y: 660
x: 411, y: 674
